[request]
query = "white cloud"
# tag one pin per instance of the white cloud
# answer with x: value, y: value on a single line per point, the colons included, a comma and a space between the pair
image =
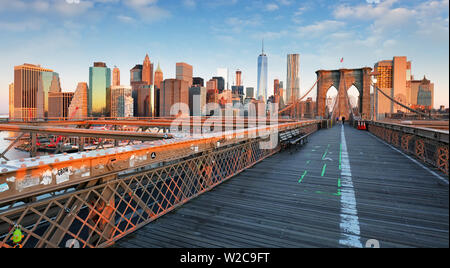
x: 189, y: 3
x: 270, y: 35
x: 125, y: 19
x: 148, y: 9
x: 21, y: 26
x: 271, y: 7
x: 320, y: 28
x: 427, y: 18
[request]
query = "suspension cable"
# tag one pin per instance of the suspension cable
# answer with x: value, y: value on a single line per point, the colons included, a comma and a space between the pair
x: 402, y: 105
x: 300, y: 99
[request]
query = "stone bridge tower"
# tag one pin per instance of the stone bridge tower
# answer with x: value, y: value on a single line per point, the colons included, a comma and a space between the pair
x: 343, y: 79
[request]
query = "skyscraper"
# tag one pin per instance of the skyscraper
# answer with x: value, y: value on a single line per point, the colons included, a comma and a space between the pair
x: 221, y: 84
x: 116, y: 76
x: 394, y: 79
x: 197, y: 100
x: 212, y: 92
x: 159, y: 77
x: 49, y: 82
x: 11, y: 101
x: 173, y: 92
x: 198, y: 81
x: 78, y: 108
x: 136, y: 83
x: 184, y: 72
x: 249, y: 92
x: 238, y: 77
x: 276, y: 87
x: 262, y: 76
x: 422, y: 93
x: 31, y: 86
x: 99, y: 91
x: 292, y: 80
x: 147, y: 71
x: 146, y: 95
x: 58, y: 104
x: 121, y: 101
x: 223, y: 72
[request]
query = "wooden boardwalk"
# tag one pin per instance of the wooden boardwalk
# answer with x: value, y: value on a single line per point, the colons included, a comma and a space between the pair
x: 314, y: 198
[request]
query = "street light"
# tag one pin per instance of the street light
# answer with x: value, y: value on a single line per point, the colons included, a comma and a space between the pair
x: 374, y: 80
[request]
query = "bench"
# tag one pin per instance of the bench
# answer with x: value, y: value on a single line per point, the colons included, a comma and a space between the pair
x: 293, y: 137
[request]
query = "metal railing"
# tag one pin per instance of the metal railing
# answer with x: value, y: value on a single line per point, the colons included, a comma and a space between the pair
x: 99, y: 211
x: 428, y: 145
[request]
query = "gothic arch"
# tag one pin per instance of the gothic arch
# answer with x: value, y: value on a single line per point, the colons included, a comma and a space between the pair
x: 343, y: 79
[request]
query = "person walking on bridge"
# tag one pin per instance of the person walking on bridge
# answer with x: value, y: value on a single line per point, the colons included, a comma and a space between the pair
x: 343, y: 120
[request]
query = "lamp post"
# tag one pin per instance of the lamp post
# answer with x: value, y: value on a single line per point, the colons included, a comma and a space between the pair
x: 373, y: 82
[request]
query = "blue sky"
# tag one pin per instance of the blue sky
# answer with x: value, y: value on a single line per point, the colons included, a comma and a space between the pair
x: 69, y: 35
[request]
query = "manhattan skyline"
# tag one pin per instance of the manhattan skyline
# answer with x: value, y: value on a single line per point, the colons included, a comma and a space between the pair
x: 67, y: 37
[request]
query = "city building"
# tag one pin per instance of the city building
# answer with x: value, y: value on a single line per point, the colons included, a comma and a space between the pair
x: 197, y: 100
x: 116, y: 76
x: 136, y: 74
x: 225, y: 97
x: 147, y: 71
x: 11, y: 101
x: 261, y: 92
x: 159, y: 77
x: 157, y: 102
x: 422, y: 93
x: 58, y: 105
x: 394, y: 79
x: 99, y: 91
x: 278, y: 93
x: 238, y: 78
x: 292, y: 80
x: 198, y: 82
x: 31, y: 86
x: 49, y: 82
x: 173, y: 92
x: 249, y: 92
x: 221, y: 83
x: 307, y: 108
x: 121, y: 101
x: 78, y: 108
x: 136, y: 83
x: 223, y: 72
x: 184, y: 72
x: 238, y: 91
x: 212, y: 92
x: 146, y: 95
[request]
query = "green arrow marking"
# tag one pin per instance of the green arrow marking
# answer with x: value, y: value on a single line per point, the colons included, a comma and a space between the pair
x: 304, y: 174
x: 323, y: 169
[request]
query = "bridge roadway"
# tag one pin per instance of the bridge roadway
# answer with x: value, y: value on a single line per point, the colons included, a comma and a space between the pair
x: 294, y: 200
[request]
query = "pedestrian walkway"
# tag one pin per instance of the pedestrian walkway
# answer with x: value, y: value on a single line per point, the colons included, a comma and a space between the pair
x: 345, y: 188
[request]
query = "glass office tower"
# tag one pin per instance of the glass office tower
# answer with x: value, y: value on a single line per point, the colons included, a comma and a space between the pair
x: 99, y: 91
x: 262, y: 76
x: 49, y: 83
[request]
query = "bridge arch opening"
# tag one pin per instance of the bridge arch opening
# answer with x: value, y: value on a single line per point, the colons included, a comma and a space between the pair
x: 331, y: 98
x: 354, y: 97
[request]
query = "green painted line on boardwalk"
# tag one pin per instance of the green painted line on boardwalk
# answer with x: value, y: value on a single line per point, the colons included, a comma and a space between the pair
x: 303, y: 176
x: 339, y: 183
x: 326, y: 152
x: 307, y: 162
x: 323, y: 169
x: 323, y: 193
